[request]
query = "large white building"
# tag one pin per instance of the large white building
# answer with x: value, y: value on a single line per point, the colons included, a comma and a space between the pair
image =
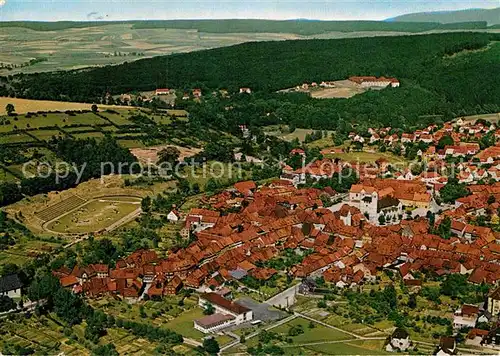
x: 374, y: 203
x: 369, y: 82
x: 227, y: 313
x: 10, y: 286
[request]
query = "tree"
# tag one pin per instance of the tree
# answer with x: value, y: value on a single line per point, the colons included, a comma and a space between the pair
x: 6, y: 303
x: 444, y: 229
x: 209, y: 309
x: 446, y: 140
x: 381, y: 219
x: 491, y: 199
x: 146, y: 204
x: 212, y: 185
x: 211, y: 346
x: 412, y: 301
x: 169, y: 154
x: 453, y: 190
x: 94, y: 108
x: 10, y: 109
x: 105, y: 350
x: 68, y: 306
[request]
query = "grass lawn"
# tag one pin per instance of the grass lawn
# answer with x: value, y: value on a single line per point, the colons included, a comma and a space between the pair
x: 15, y: 138
x: 131, y: 143
x: 224, y: 339
x: 184, y: 324
x: 117, y: 119
x: 51, y: 120
x: 371, y: 347
x: 46, y: 135
x: 318, y: 333
x: 94, y: 216
x: 367, y: 157
x: 84, y: 135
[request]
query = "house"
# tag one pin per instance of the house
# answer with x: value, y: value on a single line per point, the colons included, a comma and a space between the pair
x: 382, y: 82
x: 10, y: 286
x: 475, y: 337
x: 245, y: 91
x: 173, y: 216
x: 174, y: 286
x: 493, y: 304
x: 376, y: 203
x: 162, y: 91
x: 197, y: 93
x: 399, y: 341
x: 227, y: 313
x: 245, y: 188
x: 447, y: 346
x: 466, y: 317
x: 213, y: 323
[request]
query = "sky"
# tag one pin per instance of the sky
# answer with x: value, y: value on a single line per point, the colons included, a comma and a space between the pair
x: 112, y: 10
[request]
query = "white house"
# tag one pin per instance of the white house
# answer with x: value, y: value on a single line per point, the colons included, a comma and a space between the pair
x: 447, y: 346
x: 399, y: 341
x: 214, y: 323
x: 223, y: 306
x: 466, y: 317
x: 374, y: 203
x: 173, y: 216
x: 10, y: 286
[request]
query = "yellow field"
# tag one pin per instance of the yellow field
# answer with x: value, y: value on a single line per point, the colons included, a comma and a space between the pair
x: 23, y: 106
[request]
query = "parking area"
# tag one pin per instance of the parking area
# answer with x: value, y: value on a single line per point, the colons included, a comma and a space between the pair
x: 262, y: 311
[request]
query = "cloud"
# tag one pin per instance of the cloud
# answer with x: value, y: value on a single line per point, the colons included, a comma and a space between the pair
x: 2, y: 2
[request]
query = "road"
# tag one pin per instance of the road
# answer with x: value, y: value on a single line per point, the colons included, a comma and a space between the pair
x: 192, y: 342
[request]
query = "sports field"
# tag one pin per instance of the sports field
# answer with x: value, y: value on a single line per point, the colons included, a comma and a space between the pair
x: 93, y: 216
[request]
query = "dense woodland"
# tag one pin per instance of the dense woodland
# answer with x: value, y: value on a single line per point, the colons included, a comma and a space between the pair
x: 441, y: 74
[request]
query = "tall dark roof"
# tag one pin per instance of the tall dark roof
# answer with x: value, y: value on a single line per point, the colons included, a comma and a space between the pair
x: 387, y: 202
x: 9, y: 283
x: 399, y: 334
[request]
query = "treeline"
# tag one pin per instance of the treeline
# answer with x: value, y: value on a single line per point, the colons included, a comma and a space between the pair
x: 302, y: 27
x: 255, y: 26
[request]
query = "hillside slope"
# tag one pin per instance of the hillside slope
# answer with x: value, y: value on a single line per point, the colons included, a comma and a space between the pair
x: 442, y: 74
x: 491, y: 16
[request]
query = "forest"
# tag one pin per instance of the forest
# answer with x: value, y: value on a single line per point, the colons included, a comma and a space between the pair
x: 442, y: 76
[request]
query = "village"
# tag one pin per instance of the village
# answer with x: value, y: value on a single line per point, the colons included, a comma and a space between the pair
x: 262, y: 251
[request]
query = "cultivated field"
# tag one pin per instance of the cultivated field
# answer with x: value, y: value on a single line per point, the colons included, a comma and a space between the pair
x: 23, y: 106
x: 108, y: 44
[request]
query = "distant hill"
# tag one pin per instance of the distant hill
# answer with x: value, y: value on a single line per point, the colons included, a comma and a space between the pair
x: 491, y: 16
x: 299, y: 26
